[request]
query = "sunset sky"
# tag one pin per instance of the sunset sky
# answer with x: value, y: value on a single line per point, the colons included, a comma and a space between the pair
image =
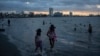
x: 78, y: 7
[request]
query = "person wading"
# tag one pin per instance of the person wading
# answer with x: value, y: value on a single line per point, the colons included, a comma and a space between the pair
x: 52, y: 36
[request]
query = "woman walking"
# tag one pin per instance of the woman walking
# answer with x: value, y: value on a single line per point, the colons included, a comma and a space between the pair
x: 52, y: 36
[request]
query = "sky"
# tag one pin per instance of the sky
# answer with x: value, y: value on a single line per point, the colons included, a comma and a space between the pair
x: 76, y: 6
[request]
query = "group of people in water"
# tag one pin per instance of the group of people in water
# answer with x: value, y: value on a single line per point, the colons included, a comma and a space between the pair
x: 89, y: 28
x: 51, y: 36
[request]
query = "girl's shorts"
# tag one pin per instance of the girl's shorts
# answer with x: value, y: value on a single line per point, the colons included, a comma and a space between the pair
x: 39, y: 44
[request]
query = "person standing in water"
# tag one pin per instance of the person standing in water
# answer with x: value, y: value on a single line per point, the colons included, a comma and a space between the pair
x: 8, y: 22
x: 75, y: 27
x: 43, y: 22
x: 52, y: 36
x: 38, y: 40
x: 90, y: 36
x: 90, y: 28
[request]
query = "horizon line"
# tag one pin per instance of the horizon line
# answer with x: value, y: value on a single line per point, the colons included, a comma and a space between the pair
x: 86, y: 13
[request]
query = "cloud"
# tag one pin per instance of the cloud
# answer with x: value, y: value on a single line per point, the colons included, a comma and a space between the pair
x: 43, y: 5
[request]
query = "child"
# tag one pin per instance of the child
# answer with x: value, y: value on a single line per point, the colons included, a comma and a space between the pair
x: 52, y: 36
x: 38, y: 40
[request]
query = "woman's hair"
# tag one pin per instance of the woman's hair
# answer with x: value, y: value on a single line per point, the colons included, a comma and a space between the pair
x: 38, y: 32
x: 52, y: 28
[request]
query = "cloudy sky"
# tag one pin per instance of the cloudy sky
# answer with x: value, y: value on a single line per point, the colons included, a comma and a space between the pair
x: 43, y: 5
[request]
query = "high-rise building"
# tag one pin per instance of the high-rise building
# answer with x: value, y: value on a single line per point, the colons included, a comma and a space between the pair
x: 70, y: 14
x: 50, y: 11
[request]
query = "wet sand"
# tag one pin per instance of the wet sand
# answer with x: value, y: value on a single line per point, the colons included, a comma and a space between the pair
x: 7, y: 48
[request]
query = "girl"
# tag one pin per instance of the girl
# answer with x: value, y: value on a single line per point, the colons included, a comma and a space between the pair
x: 38, y: 40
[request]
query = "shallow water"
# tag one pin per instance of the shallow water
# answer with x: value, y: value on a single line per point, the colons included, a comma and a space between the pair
x: 69, y: 42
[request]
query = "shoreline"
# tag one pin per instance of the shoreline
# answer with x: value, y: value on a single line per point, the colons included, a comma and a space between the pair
x: 7, y: 48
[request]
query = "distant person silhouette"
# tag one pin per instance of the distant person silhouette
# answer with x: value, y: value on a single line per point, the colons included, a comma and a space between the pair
x: 84, y: 25
x: 8, y: 22
x: 90, y: 28
x: 80, y: 24
x: 43, y: 22
x: 38, y: 40
x: 90, y: 36
x: 52, y: 36
x: 75, y: 27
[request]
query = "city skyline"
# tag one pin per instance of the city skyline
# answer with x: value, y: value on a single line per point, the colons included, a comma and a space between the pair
x: 78, y: 7
x: 83, y: 13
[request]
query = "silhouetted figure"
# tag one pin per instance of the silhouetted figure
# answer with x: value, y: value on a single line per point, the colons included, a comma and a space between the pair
x: 8, y: 22
x: 75, y: 28
x: 89, y: 37
x: 89, y: 41
x: 80, y: 24
x: 38, y: 40
x: 90, y: 29
x: 43, y: 22
x: 84, y: 25
x: 52, y: 36
x: 50, y: 23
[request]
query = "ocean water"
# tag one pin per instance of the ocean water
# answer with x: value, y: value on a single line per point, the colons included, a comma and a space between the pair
x: 69, y: 42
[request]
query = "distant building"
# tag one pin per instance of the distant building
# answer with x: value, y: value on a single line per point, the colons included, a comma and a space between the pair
x: 31, y: 14
x: 91, y: 15
x: 70, y: 14
x: 50, y: 11
x: 58, y: 14
x: 22, y: 14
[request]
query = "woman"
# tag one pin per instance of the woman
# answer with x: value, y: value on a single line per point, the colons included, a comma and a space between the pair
x: 52, y: 36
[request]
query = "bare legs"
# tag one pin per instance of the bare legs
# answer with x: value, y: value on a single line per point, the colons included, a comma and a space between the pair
x: 38, y: 46
x: 51, y: 43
